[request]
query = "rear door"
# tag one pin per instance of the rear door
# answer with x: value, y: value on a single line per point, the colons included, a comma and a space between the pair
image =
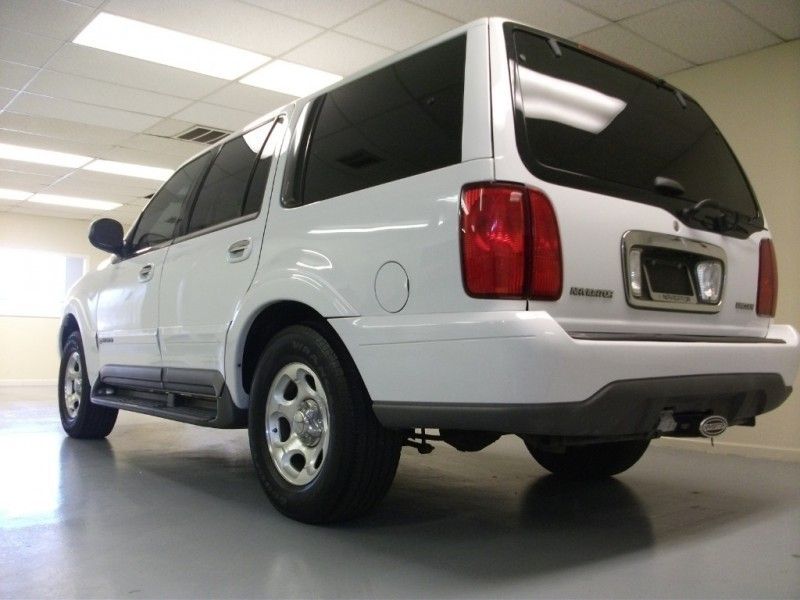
x: 625, y: 159
x: 127, y: 307
x: 210, y: 267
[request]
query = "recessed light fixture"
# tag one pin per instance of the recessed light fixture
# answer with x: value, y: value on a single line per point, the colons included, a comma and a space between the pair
x: 73, y: 202
x: 290, y: 78
x: 7, y: 194
x: 167, y: 47
x: 129, y: 169
x: 44, y: 157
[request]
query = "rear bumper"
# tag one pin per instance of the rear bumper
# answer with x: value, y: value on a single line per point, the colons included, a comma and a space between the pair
x: 521, y: 372
x: 632, y: 407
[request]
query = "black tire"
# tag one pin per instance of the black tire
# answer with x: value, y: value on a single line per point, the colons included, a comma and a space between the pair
x: 591, y: 461
x: 361, y: 456
x: 87, y: 420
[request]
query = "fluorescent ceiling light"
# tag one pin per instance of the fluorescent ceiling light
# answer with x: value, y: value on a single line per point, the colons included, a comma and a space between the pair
x: 73, y: 202
x: 7, y: 194
x: 129, y: 169
x: 552, y: 99
x: 290, y: 78
x: 44, y: 157
x: 168, y: 47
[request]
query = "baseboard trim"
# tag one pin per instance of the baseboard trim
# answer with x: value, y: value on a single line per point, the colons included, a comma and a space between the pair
x: 735, y: 448
x: 26, y: 382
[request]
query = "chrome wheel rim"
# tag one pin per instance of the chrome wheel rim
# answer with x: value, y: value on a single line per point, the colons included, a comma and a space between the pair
x: 297, y: 423
x: 73, y: 385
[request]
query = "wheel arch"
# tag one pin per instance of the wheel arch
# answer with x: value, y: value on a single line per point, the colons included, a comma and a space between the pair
x: 265, y: 324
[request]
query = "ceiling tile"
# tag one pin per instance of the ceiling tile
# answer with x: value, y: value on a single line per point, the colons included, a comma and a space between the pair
x: 779, y: 16
x: 6, y: 96
x: 130, y: 72
x: 32, y: 104
x: 632, y: 49
x: 163, y: 145
x: 44, y: 210
x: 554, y: 16
x: 237, y: 24
x: 32, y: 168
x: 14, y: 76
x: 169, y: 127
x: 141, y: 157
x: 73, y: 87
x: 214, y: 115
x: 20, y: 138
x: 324, y: 14
x: 91, y: 184
x: 62, y: 129
x: 249, y: 98
x: 337, y: 53
x: 413, y: 24
x: 31, y: 182
x: 620, y: 9
x: 701, y: 30
x: 26, y: 48
x: 51, y: 18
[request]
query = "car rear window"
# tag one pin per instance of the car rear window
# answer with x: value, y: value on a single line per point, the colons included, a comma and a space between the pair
x: 399, y: 121
x: 585, y: 122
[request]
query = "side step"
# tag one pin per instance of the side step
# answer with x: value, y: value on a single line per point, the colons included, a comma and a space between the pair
x: 180, y: 396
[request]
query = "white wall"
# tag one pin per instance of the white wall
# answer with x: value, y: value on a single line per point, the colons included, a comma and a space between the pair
x: 755, y: 101
x: 28, y: 345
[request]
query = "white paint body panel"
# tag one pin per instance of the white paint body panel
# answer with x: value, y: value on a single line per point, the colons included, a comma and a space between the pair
x: 127, y: 311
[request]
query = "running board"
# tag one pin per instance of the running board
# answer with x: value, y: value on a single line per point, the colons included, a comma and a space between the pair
x: 186, y: 395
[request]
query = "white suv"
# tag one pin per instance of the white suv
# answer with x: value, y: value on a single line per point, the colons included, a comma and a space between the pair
x: 496, y: 232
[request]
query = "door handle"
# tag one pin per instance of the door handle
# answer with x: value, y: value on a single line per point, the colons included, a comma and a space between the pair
x: 239, y: 251
x: 146, y: 273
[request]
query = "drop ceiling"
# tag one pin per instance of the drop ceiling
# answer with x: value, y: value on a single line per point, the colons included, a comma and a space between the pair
x: 60, y: 96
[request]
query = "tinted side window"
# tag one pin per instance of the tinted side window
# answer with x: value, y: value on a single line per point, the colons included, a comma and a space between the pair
x: 402, y: 120
x: 159, y: 220
x: 222, y: 196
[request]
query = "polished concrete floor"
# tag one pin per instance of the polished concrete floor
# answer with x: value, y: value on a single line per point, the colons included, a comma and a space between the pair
x: 162, y: 509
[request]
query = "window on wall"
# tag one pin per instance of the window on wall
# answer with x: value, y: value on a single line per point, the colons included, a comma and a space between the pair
x: 35, y: 283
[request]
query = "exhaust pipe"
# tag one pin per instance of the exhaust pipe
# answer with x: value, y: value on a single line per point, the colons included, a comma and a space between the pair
x: 712, y: 426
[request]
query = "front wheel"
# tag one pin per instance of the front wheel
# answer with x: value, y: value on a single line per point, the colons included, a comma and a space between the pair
x: 318, y: 450
x: 590, y: 461
x: 79, y: 417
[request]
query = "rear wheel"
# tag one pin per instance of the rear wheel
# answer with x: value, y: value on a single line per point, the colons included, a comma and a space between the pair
x: 79, y: 417
x: 319, y: 452
x: 591, y: 461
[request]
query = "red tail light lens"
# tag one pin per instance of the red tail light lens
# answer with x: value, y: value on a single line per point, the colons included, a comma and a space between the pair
x: 493, y: 240
x: 545, y: 281
x: 767, y: 280
x: 510, y: 246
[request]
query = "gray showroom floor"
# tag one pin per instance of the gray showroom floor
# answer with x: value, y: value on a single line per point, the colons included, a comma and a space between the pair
x: 163, y: 509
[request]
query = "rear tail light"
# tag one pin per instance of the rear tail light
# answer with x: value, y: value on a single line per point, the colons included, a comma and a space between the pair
x: 510, y: 246
x: 767, y: 280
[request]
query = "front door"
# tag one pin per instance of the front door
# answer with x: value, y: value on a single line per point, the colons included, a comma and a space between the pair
x: 127, y: 307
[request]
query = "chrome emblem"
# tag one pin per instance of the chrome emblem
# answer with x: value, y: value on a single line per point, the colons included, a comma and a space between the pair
x: 713, y: 426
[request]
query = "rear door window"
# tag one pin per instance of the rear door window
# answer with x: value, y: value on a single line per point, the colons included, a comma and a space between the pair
x: 588, y: 123
x: 399, y: 121
x: 223, y: 195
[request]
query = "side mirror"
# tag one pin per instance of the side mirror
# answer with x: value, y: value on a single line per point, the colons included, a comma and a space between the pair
x: 106, y: 234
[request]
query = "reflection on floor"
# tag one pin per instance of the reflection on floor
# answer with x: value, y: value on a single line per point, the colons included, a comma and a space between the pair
x: 162, y: 509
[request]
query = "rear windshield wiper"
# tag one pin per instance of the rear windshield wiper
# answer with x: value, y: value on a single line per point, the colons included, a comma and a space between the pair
x: 719, y: 219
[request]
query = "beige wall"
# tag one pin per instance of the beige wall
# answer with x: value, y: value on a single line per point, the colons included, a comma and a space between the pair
x: 28, y: 347
x: 755, y: 101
